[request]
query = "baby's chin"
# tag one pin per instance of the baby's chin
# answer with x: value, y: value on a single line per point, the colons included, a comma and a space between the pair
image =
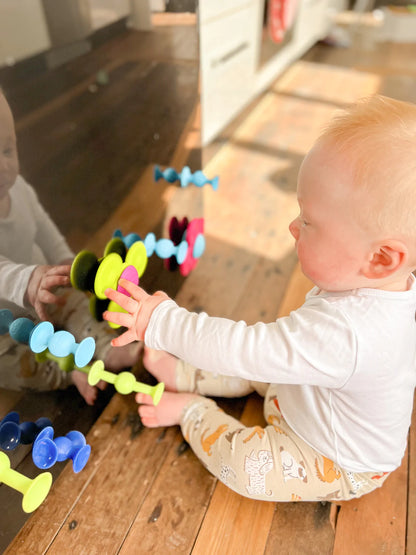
x: 4, y: 191
x: 4, y: 203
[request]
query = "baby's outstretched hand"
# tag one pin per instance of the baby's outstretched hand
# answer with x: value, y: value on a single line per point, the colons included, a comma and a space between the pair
x: 138, y: 307
x: 40, y: 288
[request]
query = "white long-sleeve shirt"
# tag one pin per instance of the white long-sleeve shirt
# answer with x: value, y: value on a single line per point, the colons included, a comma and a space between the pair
x: 345, y: 365
x: 28, y: 237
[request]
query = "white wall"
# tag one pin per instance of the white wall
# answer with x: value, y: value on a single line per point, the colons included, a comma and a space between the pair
x: 23, y: 30
x: 105, y: 12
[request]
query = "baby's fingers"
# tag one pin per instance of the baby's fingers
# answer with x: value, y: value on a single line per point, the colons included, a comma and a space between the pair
x: 135, y: 291
x: 120, y: 318
x: 129, y: 304
x: 127, y: 337
x: 62, y: 269
x: 51, y: 281
x: 41, y: 311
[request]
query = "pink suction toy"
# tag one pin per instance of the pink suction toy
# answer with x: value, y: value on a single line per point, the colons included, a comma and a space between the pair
x: 130, y: 274
x: 196, y: 245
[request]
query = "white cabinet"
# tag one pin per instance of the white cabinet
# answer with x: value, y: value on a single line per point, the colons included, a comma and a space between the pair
x: 230, y: 42
x: 227, y: 61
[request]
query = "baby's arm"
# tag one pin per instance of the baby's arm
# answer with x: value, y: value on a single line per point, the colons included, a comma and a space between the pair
x: 315, y: 345
x: 139, y: 309
x: 48, y: 237
x: 40, y: 288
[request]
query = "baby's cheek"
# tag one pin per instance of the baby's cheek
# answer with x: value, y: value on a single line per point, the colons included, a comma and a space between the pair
x: 312, y: 265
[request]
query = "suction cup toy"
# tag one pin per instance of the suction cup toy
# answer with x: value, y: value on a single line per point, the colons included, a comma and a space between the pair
x: 46, y: 344
x: 97, y: 307
x: 114, y: 307
x: 13, y: 433
x: 6, y: 318
x: 47, y: 451
x: 19, y: 329
x: 163, y: 248
x: 129, y: 239
x: 130, y: 274
x: 112, y: 268
x: 196, y: 245
x: 83, y: 270
x: 116, y: 244
x: 61, y: 344
x: 137, y: 256
x: 185, y: 177
x: 66, y: 364
x: 108, y: 274
x: 177, y: 229
x: 125, y: 382
x: 34, y: 491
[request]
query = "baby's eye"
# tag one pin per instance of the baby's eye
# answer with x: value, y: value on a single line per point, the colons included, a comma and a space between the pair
x: 8, y: 151
x: 304, y: 223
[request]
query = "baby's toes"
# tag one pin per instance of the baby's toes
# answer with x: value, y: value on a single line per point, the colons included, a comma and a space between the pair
x: 144, y: 399
x: 148, y: 416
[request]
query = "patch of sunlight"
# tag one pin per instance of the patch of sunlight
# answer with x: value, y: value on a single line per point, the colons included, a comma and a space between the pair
x: 258, y: 166
x: 251, y: 211
x: 327, y: 83
x: 167, y: 19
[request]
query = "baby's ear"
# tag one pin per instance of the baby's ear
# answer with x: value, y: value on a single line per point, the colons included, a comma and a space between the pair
x: 386, y: 259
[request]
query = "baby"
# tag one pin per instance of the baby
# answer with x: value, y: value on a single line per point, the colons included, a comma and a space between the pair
x: 338, y: 374
x: 35, y: 261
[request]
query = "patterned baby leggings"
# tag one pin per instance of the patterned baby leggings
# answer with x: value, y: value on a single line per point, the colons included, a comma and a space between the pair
x: 18, y: 367
x: 270, y: 463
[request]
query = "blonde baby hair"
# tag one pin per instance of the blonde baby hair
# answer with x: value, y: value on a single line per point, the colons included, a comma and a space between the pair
x: 377, y: 139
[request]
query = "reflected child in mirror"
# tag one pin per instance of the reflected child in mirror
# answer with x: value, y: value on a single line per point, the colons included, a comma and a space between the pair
x: 35, y: 261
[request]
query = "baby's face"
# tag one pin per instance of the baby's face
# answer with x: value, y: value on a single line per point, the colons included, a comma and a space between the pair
x: 9, y: 162
x: 330, y: 244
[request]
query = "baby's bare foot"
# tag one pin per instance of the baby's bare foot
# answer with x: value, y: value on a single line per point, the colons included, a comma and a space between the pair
x: 168, y: 411
x: 162, y: 366
x: 89, y: 392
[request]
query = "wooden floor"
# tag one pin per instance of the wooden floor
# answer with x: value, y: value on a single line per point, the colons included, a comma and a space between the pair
x: 143, y: 491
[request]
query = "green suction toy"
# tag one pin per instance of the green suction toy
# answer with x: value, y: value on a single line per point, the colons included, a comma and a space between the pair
x: 97, y: 307
x: 108, y: 274
x: 125, y: 382
x: 117, y: 245
x: 137, y: 256
x: 34, y: 491
x: 66, y: 364
x: 83, y: 271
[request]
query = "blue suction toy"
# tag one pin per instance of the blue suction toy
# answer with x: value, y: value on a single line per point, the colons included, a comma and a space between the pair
x: 164, y: 248
x: 6, y: 318
x: 61, y: 344
x: 12, y: 433
x: 129, y: 239
x: 47, y: 451
x: 40, y: 337
x: 199, y: 246
x: 19, y: 329
x: 185, y: 177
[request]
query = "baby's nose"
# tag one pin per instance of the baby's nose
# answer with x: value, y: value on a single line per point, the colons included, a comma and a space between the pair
x: 294, y: 228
